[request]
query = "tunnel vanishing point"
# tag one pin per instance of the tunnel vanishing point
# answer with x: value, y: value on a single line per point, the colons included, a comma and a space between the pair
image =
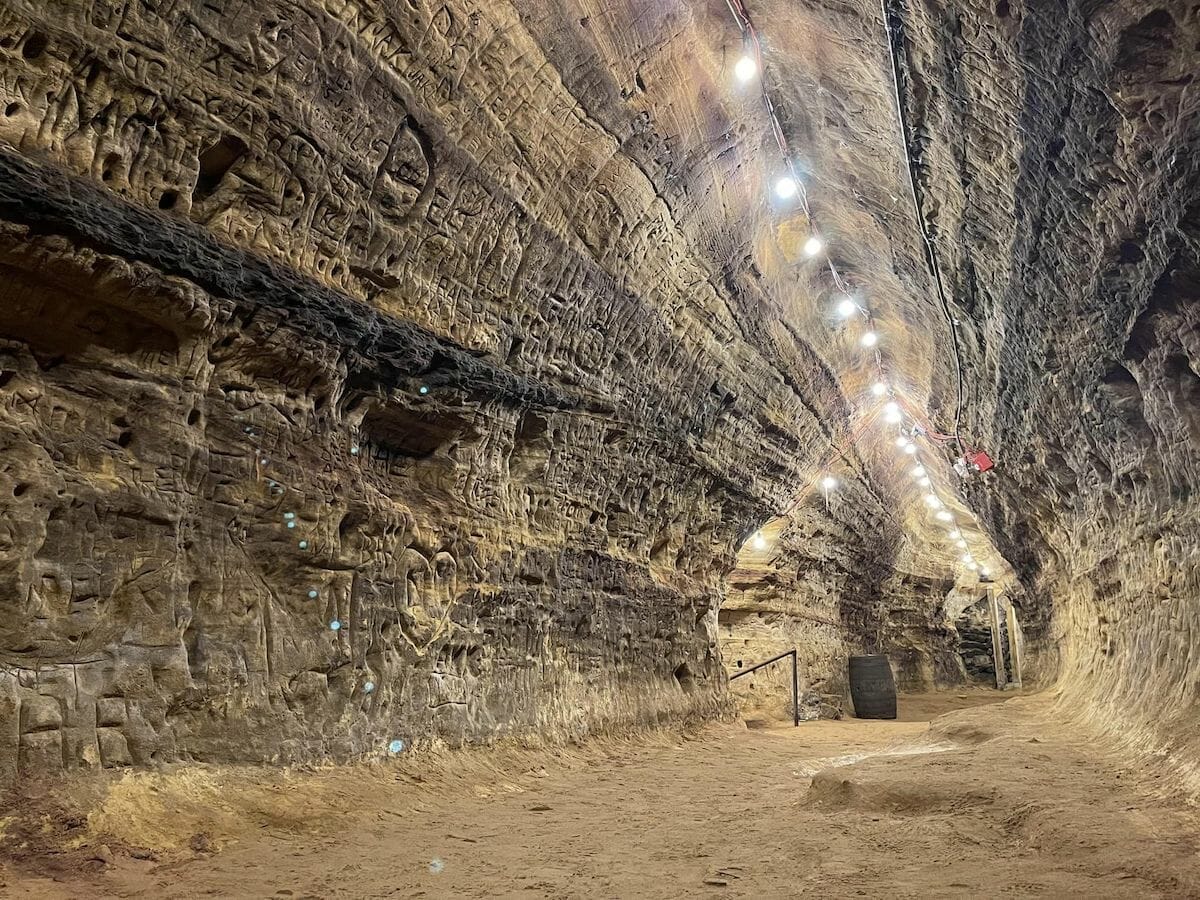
x: 387, y: 375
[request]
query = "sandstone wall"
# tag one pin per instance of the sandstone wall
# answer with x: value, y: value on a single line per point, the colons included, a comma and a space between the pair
x: 1059, y: 155
x: 452, y: 324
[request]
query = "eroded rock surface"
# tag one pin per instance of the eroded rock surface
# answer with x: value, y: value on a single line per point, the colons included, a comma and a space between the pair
x: 382, y: 371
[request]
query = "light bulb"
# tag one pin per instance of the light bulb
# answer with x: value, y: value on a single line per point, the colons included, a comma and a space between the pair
x: 892, y: 416
x: 879, y: 389
x: 785, y: 188
x: 933, y: 501
x: 972, y: 566
x: 870, y: 339
x: 745, y: 69
x: 983, y: 573
x: 829, y: 482
x: 955, y: 533
x: 961, y: 543
x: 911, y: 449
x: 846, y: 308
x: 925, y: 482
x: 813, y: 246
x: 919, y: 472
x: 902, y: 441
x: 967, y: 558
x: 759, y: 542
x: 945, y: 516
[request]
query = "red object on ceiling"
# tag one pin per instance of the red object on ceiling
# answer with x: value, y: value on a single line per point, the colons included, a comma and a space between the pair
x: 980, y: 460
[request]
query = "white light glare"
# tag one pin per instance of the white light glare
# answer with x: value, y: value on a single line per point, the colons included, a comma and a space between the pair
x: 813, y: 246
x: 870, y: 339
x: 829, y: 482
x: 972, y: 566
x: 902, y: 441
x: 745, y: 69
x: 933, y: 501
x: 961, y: 543
x: 879, y: 389
x: 968, y: 558
x: 945, y: 516
x: 846, y: 308
x: 785, y: 188
x: 759, y: 542
x: 911, y: 449
x: 956, y: 534
x: 919, y: 472
x: 925, y: 482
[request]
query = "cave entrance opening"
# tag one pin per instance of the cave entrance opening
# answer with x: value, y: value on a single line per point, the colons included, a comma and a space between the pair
x: 991, y: 643
x: 770, y: 609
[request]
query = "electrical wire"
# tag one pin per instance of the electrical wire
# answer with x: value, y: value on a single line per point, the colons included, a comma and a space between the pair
x: 931, y: 258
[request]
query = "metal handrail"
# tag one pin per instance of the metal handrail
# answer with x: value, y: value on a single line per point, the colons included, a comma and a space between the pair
x: 795, y: 680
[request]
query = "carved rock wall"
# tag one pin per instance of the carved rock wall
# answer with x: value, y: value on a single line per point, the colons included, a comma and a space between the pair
x: 1059, y: 155
x: 379, y: 371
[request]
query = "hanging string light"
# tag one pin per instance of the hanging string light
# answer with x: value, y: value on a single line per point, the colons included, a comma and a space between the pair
x: 787, y: 187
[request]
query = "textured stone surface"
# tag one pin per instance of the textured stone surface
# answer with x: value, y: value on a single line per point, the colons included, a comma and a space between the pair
x: 1059, y: 156
x: 243, y: 240
x: 486, y: 303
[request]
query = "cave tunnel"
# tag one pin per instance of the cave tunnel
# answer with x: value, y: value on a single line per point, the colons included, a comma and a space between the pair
x: 649, y: 448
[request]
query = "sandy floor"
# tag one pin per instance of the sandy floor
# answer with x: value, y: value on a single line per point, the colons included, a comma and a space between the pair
x: 992, y: 801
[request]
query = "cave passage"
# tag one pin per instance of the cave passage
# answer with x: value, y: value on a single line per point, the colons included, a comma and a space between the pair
x: 432, y: 432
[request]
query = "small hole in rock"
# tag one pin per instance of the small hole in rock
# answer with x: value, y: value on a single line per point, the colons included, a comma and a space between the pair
x: 168, y: 200
x: 215, y: 162
x: 12, y: 109
x: 35, y: 45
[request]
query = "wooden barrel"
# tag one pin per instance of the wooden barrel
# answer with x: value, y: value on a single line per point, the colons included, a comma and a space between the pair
x: 872, y: 687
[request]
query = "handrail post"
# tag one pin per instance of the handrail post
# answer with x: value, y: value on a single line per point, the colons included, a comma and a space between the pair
x: 795, y: 693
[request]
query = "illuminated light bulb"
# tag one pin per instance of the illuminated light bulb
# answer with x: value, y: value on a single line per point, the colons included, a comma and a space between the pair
x: 304, y: 545
x: 925, y: 482
x: 354, y: 450
x: 972, y: 566
x: 902, y: 441
x: 396, y: 746
x: 955, y: 533
x: 423, y: 389
x: 870, y: 339
x: 983, y: 573
x: 291, y: 524
x: 879, y: 389
x: 911, y: 449
x: 759, y: 542
x: 312, y: 595
x: 945, y: 516
x: 829, y: 482
x: 919, y: 472
x: 745, y: 69
x: 368, y: 687
x: 785, y: 188
x: 961, y: 543
x: 968, y: 558
x: 933, y: 501
x: 846, y: 308
x: 892, y: 416
x: 335, y: 625
x: 813, y: 246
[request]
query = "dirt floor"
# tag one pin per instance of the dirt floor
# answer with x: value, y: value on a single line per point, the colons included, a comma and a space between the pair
x: 990, y: 801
